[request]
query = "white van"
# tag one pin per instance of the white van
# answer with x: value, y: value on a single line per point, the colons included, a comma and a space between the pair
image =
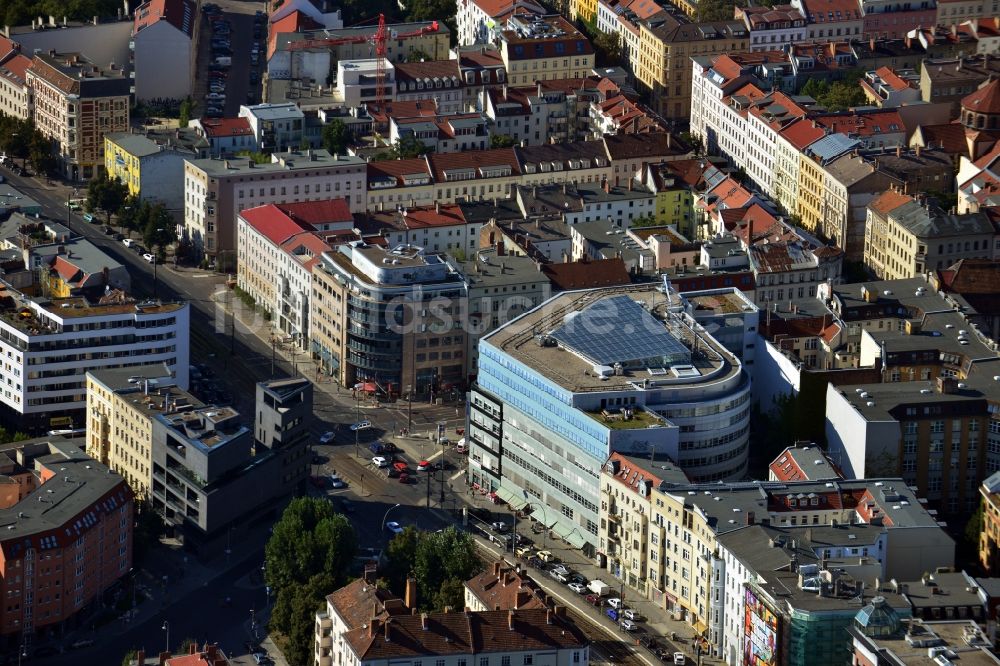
x: 461, y: 447
x: 223, y: 60
x: 128, y: 242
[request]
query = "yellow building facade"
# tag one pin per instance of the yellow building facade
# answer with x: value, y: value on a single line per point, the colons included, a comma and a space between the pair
x: 809, y: 206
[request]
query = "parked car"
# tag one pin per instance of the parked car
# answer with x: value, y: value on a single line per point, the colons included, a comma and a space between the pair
x: 522, y: 551
x: 547, y: 556
x: 679, y: 659
x: 151, y: 258
x: 615, y: 603
x: 612, y: 613
x: 392, y: 472
x: 109, y: 231
x: 560, y: 576
x: 577, y: 587
x: 361, y: 425
x: 82, y: 643
x: 326, y: 437
x: 337, y: 482
x: 423, y: 466
x: 579, y: 578
x: 594, y: 599
x: 499, y: 526
x: 633, y: 614
x: 218, y: 96
x: 404, y: 477
x: 536, y: 562
x: 400, y: 466
x: 629, y: 625
x: 380, y: 461
x: 394, y: 527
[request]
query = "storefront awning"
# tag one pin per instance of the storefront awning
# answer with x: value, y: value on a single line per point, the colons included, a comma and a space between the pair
x: 512, y: 498
x: 570, y: 534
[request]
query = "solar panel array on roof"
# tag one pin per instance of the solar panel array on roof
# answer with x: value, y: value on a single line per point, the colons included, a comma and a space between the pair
x: 619, y: 330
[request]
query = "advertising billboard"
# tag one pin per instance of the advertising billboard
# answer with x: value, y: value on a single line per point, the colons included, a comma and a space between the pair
x: 760, y: 631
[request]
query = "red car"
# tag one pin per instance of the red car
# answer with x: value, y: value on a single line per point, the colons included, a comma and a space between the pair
x: 593, y: 599
x: 404, y: 478
x: 400, y: 466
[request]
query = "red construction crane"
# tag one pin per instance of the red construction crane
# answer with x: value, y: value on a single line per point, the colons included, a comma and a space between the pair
x: 379, y: 39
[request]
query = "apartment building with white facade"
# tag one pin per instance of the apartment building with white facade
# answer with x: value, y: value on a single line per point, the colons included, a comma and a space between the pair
x: 480, y: 21
x: 15, y: 94
x: 215, y: 190
x: 276, y: 248
x: 49, y: 345
x: 773, y: 27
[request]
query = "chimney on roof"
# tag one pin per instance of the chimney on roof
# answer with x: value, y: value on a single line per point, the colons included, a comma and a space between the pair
x: 162, y: 659
x: 560, y: 611
x: 423, y: 621
x: 388, y: 638
x: 899, y: 150
x: 193, y: 647
x: 548, y: 616
x: 497, y: 565
x: 917, y: 150
x: 140, y: 657
x: 510, y: 620
x: 410, y: 598
x: 437, y: 207
x: 871, y: 43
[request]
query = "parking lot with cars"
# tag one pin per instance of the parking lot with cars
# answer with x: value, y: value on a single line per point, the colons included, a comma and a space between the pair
x: 231, y: 54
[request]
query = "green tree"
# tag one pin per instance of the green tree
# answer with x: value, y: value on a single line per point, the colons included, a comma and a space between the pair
x: 129, y: 657
x: 336, y: 136
x: 309, y: 539
x: 107, y: 195
x: 147, y: 531
x: 608, y: 46
x: 716, y: 10
x: 434, y: 10
x: 836, y: 96
x: 41, y: 154
x: 502, y: 141
x: 645, y: 221
x: 258, y: 158
x: 417, y: 55
x: 160, y: 231
x: 186, y: 111
x: 440, y: 562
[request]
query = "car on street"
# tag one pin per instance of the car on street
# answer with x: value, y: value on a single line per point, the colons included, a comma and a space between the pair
x: 577, y: 587
x: 151, y: 258
x: 547, y: 556
x: 400, y: 466
x: 629, y: 625
x: 216, y: 96
x: 82, y: 643
x: 423, y: 466
x: 522, y: 551
x: 361, y: 425
x: 579, y: 578
x: 536, y: 562
x: 404, y: 477
x: 380, y: 461
x: 561, y: 569
x: 632, y: 614
x: 679, y: 659
x: 593, y: 599
x: 109, y: 231
x: 614, y: 602
x: 612, y: 613
x: 560, y: 576
x: 499, y: 526
x: 442, y: 464
x: 337, y: 482
x: 392, y: 472
x: 394, y: 527
x: 326, y: 437
x: 261, y: 658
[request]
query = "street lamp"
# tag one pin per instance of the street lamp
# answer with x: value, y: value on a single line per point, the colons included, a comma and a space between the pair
x: 409, y: 408
x: 22, y: 652
x: 394, y: 506
x: 69, y: 210
x: 545, y: 527
x: 357, y: 421
x: 156, y: 260
x: 166, y: 628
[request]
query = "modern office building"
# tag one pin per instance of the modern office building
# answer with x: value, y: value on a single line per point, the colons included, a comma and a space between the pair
x: 50, y: 344
x: 121, y: 405
x: 214, y: 476
x: 67, y: 538
x: 588, y: 373
x: 389, y: 318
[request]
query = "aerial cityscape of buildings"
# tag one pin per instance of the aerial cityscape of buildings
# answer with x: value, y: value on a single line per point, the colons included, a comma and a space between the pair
x: 500, y: 332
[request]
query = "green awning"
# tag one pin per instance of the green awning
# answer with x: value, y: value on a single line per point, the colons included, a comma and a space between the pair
x: 569, y: 533
x: 512, y: 498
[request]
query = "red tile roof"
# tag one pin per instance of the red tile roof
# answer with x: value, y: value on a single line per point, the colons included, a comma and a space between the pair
x: 469, y: 633
x: 972, y: 276
x: 801, y: 133
x: 949, y: 137
x: 444, y: 215
x: 888, y: 201
x: 272, y: 223
x: 503, y: 587
x: 397, y: 169
x: 984, y: 100
x: 891, y: 79
x: 216, y: 128
x: 294, y: 22
x: 319, y: 212
x: 864, y: 124
x: 472, y: 159
x: 831, y: 11
x: 585, y: 274
x: 181, y: 14
x: 18, y: 66
x: 7, y: 47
